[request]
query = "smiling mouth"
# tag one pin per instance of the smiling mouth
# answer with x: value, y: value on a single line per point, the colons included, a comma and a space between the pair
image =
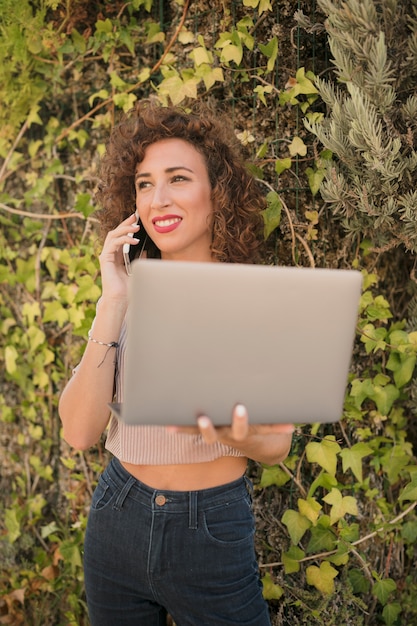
x: 162, y: 223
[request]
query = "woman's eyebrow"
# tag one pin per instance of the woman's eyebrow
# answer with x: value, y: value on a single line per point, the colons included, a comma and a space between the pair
x: 169, y: 170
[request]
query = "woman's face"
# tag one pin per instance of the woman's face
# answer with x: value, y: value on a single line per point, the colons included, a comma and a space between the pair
x: 173, y: 200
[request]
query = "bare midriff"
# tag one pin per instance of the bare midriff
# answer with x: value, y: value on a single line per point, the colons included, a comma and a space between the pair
x: 190, y: 476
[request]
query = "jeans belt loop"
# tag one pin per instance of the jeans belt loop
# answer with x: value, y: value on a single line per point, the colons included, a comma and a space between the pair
x: 124, y: 493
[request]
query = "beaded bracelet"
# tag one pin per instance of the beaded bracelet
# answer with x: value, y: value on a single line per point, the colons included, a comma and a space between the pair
x: 112, y: 344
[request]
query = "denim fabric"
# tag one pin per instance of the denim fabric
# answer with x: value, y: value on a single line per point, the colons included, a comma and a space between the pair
x: 191, y: 554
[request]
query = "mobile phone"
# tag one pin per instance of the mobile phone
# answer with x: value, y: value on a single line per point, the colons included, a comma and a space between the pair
x: 132, y: 252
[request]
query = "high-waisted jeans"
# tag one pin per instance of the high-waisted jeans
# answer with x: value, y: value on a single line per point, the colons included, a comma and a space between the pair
x: 188, y: 553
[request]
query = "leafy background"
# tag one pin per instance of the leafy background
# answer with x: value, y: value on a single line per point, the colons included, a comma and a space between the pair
x: 322, y: 97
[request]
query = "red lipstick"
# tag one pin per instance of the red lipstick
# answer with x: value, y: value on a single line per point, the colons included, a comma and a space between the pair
x: 166, y: 223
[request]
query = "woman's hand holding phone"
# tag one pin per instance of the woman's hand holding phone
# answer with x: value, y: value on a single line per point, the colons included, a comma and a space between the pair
x: 112, y: 264
x: 131, y: 251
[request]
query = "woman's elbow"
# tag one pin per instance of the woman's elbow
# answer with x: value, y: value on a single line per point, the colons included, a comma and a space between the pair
x: 78, y: 440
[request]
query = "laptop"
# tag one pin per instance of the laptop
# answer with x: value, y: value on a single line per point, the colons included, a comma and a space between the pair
x: 205, y: 336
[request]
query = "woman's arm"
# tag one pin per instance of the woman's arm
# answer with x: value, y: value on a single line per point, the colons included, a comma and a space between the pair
x: 83, y: 405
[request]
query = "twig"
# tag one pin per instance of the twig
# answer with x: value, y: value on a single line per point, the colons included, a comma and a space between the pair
x: 46, y: 216
x: 294, y: 479
x: 42, y: 243
x: 354, y: 543
x: 13, y: 147
x: 307, y: 249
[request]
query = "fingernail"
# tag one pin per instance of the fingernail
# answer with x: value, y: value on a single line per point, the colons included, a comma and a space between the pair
x: 240, y: 411
x: 203, y: 422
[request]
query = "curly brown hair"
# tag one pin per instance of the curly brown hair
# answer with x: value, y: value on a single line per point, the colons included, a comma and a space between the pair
x: 236, y: 196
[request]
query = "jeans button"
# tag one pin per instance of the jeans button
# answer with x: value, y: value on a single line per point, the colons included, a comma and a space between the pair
x: 160, y: 500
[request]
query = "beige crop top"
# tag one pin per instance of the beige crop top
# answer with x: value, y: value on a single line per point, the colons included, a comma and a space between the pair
x: 153, y: 445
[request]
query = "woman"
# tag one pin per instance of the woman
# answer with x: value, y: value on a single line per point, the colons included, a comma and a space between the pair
x: 171, y: 527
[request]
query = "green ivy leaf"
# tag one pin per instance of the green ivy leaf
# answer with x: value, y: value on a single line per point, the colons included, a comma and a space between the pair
x: 87, y: 290
x: 384, y: 397
x: 55, y: 312
x: 12, y: 523
x: 324, y: 453
x: 322, y: 539
x: 262, y: 5
x: 340, y: 505
x: 402, y: 365
x: 322, y: 578
x: 11, y: 355
x: 261, y: 90
x: 273, y: 475
x: 359, y: 582
x: 341, y: 557
x: 352, y: 459
x: 297, y: 146
x: 315, y: 178
x: 270, y: 50
x: 282, y: 164
x: 201, y: 55
x: 305, y: 86
x: 296, y: 525
x: 71, y: 554
x: 271, y: 591
x: 410, y: 491
x: 104, y: 26
x: 391, y: 612
x: 409, y: 530
x: 382, y: 589
x: 310, y: 508
x: 323, y: 480
x: 291, y: 559
x: 272, y: 214
x: 373, y: 338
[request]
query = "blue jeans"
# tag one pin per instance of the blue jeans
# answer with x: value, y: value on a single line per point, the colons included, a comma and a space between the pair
x: 188, y: 553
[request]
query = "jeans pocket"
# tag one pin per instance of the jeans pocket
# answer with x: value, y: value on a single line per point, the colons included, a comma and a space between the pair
x: 230, y: 524
x: 103, y: 494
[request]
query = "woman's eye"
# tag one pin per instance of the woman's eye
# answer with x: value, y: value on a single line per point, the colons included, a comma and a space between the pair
x: 142, y: 184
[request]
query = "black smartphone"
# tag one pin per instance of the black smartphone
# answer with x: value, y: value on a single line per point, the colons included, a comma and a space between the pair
x: 131, y: 252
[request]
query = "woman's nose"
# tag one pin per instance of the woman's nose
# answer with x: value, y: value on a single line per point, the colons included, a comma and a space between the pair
x: 160, y: 197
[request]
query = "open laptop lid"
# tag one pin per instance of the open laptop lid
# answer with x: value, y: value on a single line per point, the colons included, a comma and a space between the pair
x: 205, y: 336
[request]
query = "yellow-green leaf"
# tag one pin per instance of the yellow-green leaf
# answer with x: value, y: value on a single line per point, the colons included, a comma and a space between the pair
x: 185, y: 36
x: 352, y: 458
x: 296, y: 525
x: 410, y: 491
x: 322, y: 578
x: 310, y: 508
x: 201, y: 55
x: 271, y: 591
x: 340, y: 505
x: 270, y: 50
x: 55, y: 312
x: 291, y: 559
x: 272, y: 214
x: 11, y: 356
x: 324, y: 453
x: 231, y: 52
x: 297, y: 146
x: 12, y: 523
x: 282, y: 164
x: 305, y: 86
x: 273, y: 475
